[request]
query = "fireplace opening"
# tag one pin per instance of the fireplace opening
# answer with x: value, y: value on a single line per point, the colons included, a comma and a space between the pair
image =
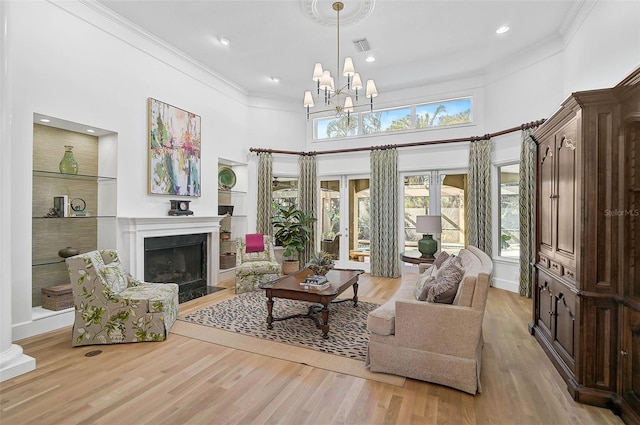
x: 180, y: 259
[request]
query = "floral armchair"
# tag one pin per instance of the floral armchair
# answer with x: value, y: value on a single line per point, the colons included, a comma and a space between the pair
x: 112, y: 307
x: 254, y: 268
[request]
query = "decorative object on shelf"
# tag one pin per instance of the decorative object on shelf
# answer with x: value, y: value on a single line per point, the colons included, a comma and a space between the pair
x: 68, y: 252
x: 52, y: 213
x: 68, y: 164
x: 174, y: 150
x: 61, y: 205
x: 428, y: 225
x: 228, y: 260
x: 225, y: 234
x: 57, y: 297
x: 320, y: 263
x: 226, y: 178
x: 180, y: 208
x: 330, y: 89
x: 225, y: 210
x: 78, y: 207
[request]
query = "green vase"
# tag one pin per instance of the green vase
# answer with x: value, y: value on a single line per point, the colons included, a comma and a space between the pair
x: 68, y: 165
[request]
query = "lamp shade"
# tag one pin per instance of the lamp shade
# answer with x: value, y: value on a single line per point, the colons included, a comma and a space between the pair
x: 325, y: 81
x: 429, y: 224
x: 348, y: 104
x: 356, y: 83
x: 372, y: 90
x: 317, y: 72
x: 348, y: 69
x: 308, y: 99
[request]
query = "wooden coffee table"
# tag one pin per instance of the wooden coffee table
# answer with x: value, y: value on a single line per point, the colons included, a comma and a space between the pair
x: 288, y: 287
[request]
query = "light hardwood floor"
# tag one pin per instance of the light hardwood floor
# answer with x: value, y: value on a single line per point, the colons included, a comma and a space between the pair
x: 187, y: 381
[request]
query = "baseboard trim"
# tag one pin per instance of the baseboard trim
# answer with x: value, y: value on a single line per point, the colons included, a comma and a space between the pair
x: 507, y: 285
x: 39, y: 325
x: 15, y: 363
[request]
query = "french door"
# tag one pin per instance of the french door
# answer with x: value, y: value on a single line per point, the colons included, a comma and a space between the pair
x: 344, y: 220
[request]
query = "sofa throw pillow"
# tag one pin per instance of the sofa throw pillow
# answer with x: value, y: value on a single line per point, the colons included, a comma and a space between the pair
x: 421, y: 283
x: 440, y: 259
x: 445, y: 285
x: 115, y: 278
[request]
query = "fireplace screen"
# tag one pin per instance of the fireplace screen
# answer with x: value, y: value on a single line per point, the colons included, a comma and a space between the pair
x: 180, y: 259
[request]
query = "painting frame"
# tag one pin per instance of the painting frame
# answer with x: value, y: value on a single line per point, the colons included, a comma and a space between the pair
x: 174, y: 142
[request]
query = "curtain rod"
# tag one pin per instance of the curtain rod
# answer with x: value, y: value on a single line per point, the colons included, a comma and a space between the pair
x: 522, y: 127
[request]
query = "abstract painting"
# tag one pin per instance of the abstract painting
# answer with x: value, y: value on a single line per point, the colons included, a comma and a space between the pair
x: 174, y: 150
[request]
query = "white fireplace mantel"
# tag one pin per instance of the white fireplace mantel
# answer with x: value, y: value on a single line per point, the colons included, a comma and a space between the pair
x: 134, y: 230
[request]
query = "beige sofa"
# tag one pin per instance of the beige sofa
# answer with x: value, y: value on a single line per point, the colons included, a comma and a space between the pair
x: 440, y: 343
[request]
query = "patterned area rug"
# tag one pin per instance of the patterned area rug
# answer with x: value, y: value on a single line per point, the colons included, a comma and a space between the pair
x: 246, y: 314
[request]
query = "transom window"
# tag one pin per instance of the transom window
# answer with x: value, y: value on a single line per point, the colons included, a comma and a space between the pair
x: 405, y: 118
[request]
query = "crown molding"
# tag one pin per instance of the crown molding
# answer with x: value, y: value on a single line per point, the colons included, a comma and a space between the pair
x: 136, y: 36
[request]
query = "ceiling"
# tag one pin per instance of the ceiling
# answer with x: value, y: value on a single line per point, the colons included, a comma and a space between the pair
x: 414, y: 42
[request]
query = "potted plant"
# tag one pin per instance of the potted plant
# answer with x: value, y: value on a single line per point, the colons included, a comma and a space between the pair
x: 321, y: 262
x: 225, y: 234
x: 292, y: 231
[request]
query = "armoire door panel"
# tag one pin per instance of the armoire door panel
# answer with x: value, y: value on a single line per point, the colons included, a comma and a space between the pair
x: 632, y: 241
x: 545, y: 298
x: 546, y: 199
x: 565, y: 325
x: 605, y: 343
x: 566, y: 192
x: 630, y: 355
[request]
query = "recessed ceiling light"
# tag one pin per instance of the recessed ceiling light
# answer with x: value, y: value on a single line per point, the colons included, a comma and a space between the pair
x: 90, y: 130
x: 370, y: 58
x: 224, y: 41
x: 45, y: 120
x: 275, y: 79
x: 502, y: 29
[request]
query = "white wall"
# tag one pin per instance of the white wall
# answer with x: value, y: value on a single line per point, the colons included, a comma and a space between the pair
x: 72, y: 61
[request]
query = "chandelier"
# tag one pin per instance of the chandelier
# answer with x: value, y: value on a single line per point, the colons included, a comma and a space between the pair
x: 336, y: 98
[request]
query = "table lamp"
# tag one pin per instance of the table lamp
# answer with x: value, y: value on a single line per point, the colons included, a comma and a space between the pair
x: 428, y: 225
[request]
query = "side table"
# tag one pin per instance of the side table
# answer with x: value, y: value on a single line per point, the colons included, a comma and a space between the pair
x: 416, y: 257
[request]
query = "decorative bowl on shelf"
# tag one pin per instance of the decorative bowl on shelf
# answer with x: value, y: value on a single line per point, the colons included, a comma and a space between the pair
x: 226, y: 178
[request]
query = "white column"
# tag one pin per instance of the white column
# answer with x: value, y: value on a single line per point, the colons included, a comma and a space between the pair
x: 13, y: 361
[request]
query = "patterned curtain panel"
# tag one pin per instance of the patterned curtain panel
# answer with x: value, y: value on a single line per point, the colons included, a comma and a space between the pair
x: 384, y: 213
x: 527, y: 211
x: 265, y: 179
x: 479, y: 205
x: 307, y: 195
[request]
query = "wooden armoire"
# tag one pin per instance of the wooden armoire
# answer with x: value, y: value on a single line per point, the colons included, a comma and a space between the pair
x: 586, y: 295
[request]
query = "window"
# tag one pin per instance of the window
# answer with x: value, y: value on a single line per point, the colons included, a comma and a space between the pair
x: 405, y: 118
x: 441, y: 114
x: 329, y: 209
x: 416, y: 202
x: 336, y: 128
x: 453, y: 201
x: 436, y: 193
x: 509, y: 211
x: 386, y: 121
x: 284, y: 192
